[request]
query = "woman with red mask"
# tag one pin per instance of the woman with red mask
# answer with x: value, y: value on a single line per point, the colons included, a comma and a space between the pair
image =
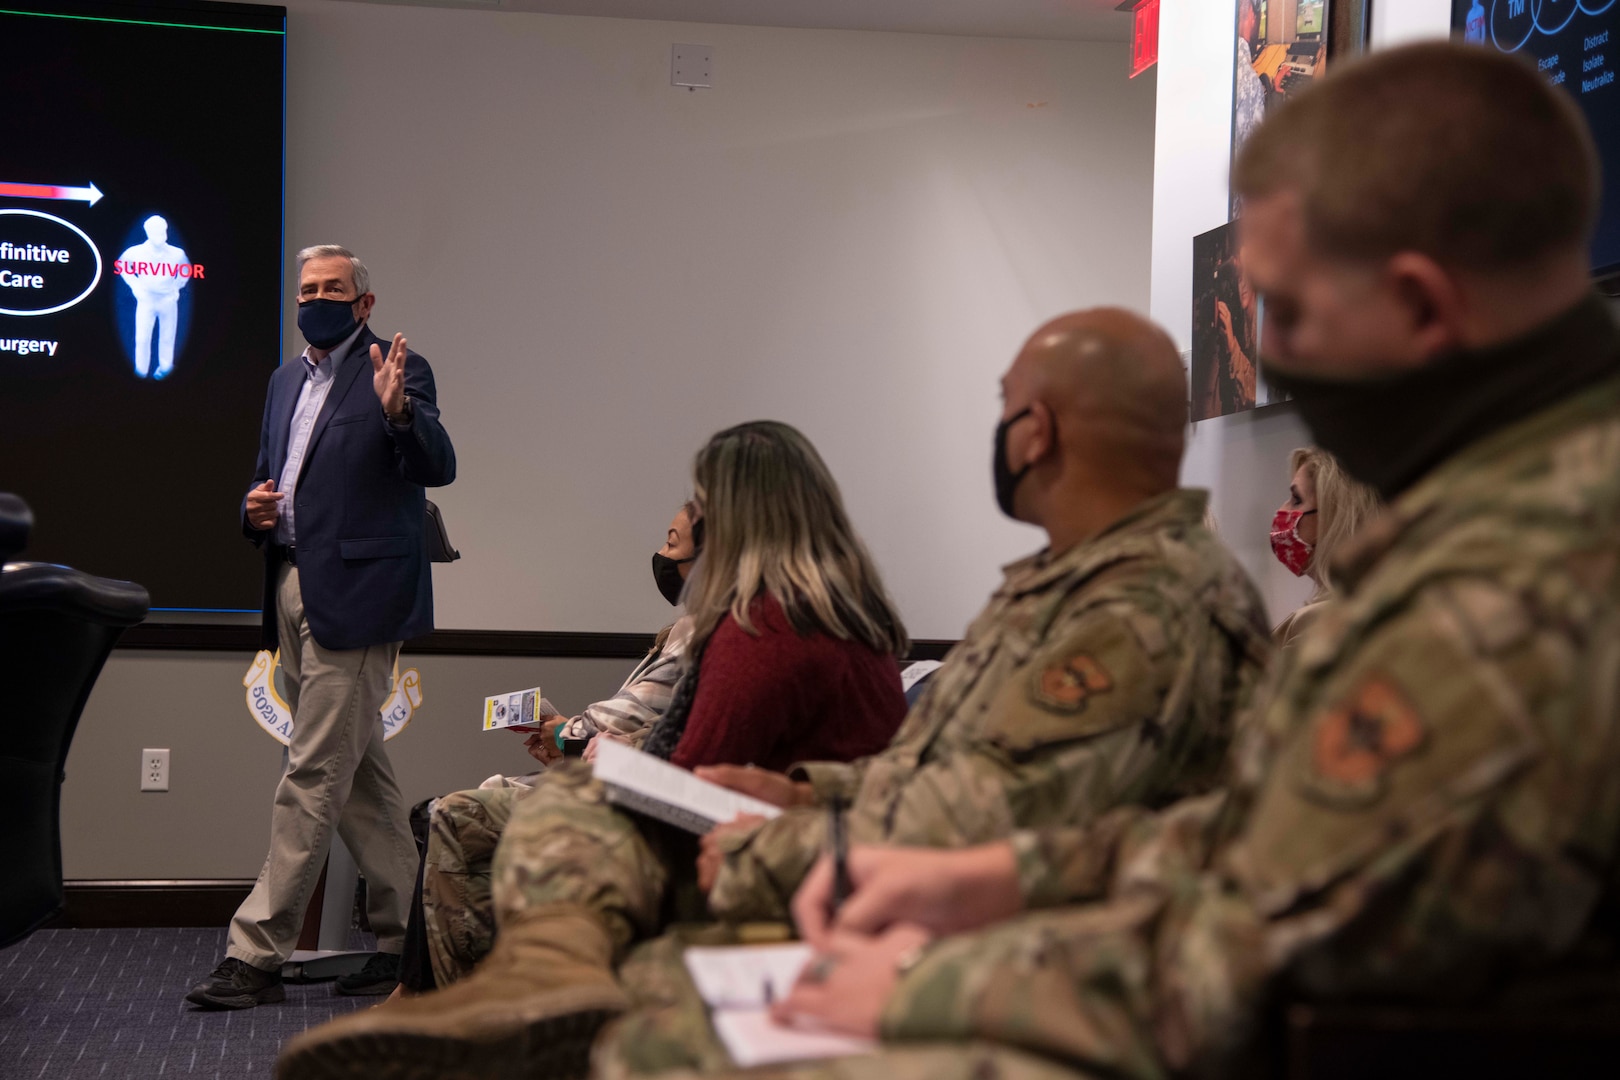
x: 1325, y: 507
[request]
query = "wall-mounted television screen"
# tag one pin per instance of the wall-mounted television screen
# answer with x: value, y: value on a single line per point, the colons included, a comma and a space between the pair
x: 140, y: 283
x: 1576, y: 44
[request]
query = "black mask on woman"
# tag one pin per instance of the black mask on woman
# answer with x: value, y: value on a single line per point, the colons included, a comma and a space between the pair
x: 1006, y: 480
x: 667, y: 573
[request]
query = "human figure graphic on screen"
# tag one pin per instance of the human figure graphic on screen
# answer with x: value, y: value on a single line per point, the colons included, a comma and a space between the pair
x: 157, y: 295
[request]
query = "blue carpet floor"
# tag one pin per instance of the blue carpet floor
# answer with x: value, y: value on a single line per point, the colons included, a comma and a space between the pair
x: 110, y: 1004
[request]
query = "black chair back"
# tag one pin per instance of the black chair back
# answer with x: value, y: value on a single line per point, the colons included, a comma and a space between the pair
x: 57, y: 627
x: 16, y: 522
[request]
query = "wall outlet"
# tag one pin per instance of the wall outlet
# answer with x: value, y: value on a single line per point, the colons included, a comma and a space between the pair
x: 154, y: 770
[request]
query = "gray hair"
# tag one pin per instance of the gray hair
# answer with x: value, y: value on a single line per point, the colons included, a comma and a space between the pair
x: 362, y: 276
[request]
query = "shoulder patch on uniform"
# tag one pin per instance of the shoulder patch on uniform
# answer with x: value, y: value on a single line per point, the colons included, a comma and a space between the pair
x: 1064, y: 686
x: 1354, y: 744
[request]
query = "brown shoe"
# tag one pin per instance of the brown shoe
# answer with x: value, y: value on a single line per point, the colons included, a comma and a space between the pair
x: 531, y: 1011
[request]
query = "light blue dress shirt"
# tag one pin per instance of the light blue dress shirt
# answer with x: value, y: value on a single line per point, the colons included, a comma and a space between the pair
x: 311, y: 396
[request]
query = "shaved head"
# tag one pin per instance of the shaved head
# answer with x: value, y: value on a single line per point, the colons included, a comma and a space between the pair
x: 1117, y: 393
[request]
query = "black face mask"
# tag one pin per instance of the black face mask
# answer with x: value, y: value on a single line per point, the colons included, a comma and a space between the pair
x: 1390, y: 432
x: 667, y: 573
x: 1006, y: 480
x: 325, y: 323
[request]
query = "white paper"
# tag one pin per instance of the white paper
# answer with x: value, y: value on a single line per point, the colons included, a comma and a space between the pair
x: 753, y: 1038
x: 735, y: 977
x: 657, y: 781
x: 916, y: 673
x: 732, y: 982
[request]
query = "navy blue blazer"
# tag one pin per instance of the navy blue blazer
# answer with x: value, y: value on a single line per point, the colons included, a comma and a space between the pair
x: 359, y: 503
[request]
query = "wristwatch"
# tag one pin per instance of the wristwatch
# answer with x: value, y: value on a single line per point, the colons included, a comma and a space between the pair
x: 404, y: 418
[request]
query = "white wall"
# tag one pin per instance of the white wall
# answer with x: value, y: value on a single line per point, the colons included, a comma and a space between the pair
x: 1242, y: 459
x: 852, y: 232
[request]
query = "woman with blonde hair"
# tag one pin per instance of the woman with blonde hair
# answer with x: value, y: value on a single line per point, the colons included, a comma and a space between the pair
x: 790, y: 647
x: 1325, y: 507
x: 794, y: 639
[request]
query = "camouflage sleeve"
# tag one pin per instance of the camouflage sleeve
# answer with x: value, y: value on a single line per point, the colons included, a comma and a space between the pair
x: 1410, y: 835
x: 1127, y: 848
x: 1077, y: 731
x: 1060, y: 742
x: 832, y: 779
x: 764, y: 865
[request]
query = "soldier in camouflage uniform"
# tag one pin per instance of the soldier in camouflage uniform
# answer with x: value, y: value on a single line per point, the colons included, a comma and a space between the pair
x: 465, y: 826
x: 1106, y: 670
x: 1424, y: 809
x: 1109, y: 675
x: 456, y: 918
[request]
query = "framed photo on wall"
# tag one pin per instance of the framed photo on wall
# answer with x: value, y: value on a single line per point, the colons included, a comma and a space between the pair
x: 1282, y: 47
x: 1225, y: 369
x: 1225, y: 373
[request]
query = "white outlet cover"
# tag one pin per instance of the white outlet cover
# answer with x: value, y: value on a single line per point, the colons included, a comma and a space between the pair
x: 154, y: 770
x: 691, y: 65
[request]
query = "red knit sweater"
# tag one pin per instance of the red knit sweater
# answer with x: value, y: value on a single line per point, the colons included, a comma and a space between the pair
x: 779, y: 698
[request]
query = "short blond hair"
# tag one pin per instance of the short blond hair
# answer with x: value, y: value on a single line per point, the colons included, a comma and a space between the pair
x: 1343, y: 506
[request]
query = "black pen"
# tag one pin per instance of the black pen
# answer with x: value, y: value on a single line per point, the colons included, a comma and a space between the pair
x: 838, y: 844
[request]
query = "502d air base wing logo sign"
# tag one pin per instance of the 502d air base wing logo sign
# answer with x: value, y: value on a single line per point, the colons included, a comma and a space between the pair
x: 271, y: 711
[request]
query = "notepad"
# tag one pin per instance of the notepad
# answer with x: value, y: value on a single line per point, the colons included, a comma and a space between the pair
x: 733, y: 981
x: 652, y: 786
x: 916, y: 673
x: 736, y: 976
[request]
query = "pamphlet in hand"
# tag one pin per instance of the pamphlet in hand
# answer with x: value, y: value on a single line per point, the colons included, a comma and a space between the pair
x: 522, y: 710
x: 739, y: 984
x: 639, y: 781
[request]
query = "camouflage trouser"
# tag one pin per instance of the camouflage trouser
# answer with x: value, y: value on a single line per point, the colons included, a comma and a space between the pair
x: 565, y: 844
x: 458, y: 914
x: 667, y: 1033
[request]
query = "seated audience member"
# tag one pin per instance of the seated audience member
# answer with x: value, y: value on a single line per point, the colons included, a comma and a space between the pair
x: 1324, y: 509
x: 451, y: 924
x: 1106, y: 669
x: 1423, y: 810
x: 628, y: 715
x: 796, y: 644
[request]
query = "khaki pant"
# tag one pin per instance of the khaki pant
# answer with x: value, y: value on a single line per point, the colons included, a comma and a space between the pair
x: 338, y: 775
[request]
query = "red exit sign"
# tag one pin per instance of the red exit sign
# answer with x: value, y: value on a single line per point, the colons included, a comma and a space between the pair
x: 1144, y: 36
